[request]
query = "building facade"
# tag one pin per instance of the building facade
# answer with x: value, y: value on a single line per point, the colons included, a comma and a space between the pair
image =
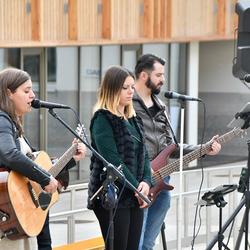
x: 67, y: 45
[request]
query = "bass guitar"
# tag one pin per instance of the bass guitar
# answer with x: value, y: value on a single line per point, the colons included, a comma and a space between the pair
x: 24, y: 204
x: 162, y: 168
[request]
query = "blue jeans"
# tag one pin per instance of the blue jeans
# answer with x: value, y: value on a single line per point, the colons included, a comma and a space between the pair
x: 153, y: 219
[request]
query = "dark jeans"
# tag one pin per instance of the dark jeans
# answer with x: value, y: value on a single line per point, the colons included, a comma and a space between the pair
x: 127, y: 227
x: 44, y: 239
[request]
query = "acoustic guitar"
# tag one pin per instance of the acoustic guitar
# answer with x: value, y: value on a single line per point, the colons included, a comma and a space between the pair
x: 24, y: 204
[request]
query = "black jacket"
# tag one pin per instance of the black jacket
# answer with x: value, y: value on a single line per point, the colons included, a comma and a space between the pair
x: 157, y: 129
x: 125, y: 148
x: 12, y: 158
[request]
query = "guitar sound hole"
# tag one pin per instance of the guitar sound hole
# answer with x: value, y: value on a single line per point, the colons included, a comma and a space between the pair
x: 44, y: 200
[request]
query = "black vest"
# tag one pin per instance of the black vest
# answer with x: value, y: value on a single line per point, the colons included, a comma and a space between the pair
x: 125, y: 147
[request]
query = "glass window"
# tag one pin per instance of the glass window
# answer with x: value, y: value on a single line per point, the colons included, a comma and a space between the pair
x: 107, y: 60
x: 129, y: 56
x: 90, y: 76
x: 51, y: 60
x: 65, y: 91
x: 13, y: 56
x: 30, y: 62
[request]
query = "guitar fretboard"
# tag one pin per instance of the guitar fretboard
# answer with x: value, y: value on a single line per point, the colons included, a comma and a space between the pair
x: 204, y: 149
x: 63, y: 160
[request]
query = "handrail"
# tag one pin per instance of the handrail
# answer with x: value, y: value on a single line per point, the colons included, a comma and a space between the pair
x: 210, y: 172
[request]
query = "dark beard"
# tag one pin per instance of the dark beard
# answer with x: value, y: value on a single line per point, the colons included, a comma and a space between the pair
x: 154, y: 89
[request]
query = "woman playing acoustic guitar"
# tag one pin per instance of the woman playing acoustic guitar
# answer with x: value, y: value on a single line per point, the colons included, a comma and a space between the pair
x: 16, y: 95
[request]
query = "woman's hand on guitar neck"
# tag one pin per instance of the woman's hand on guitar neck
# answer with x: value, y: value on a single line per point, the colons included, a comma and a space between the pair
x: 52, y: 186
x: 80, y: 151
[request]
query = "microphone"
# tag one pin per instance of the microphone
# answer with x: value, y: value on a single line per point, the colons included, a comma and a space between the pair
x: 174, y: 95
x: 48, y: 105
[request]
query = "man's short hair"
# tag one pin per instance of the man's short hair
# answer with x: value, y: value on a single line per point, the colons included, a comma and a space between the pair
x: 146, y: 62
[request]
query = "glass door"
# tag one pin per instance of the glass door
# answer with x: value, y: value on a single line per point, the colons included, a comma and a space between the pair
x: 33, y: 60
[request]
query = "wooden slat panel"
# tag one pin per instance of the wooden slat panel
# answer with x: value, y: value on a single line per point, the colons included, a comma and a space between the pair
x: 221, y: 17
x: 72, y: 19
x: 157, y: 19
x: 209, y: 13
x: 141, y: 18
x: 106, y: 19
x: 35, y: 20
x: 15, y: 21
x: 178, y: 18
x: 163, y: 12
x: 126, y: 19
x: 149, y: 18
x: 231, y: 19
x: 89, y: 19
x: 2, y: 20
x: 169, y: 19
x: 24, y: 21
x: 54, y: 20
x: 194, y: 18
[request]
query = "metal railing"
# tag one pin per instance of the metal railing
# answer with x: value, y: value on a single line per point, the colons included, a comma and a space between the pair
x: 212, y: 176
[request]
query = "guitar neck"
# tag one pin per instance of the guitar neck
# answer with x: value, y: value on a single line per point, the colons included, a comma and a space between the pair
x: 204, y: 149
x: 63, y: 160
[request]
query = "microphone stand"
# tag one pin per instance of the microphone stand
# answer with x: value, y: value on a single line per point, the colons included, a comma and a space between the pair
x: 111, y: 172
x: 181, y: 176
x: 244, y: 228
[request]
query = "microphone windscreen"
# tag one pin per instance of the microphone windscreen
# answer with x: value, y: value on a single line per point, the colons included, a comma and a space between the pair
x: 168, y: 94
x: 35, y: 104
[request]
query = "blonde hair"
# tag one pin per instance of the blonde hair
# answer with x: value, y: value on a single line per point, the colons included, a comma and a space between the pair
x: 109, y: 92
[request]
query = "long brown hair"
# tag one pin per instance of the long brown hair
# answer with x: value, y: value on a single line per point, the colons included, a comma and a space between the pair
x: 10, y: 80
x: 109, y: 94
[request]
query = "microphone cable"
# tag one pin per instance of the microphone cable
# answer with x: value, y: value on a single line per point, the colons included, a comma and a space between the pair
x: 195, y: 233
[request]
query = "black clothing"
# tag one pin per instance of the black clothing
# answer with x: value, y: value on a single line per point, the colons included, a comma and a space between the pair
x: 157, y: 129
x: 43, y: 238
x: 127, y: 227
x: 12, y: 158
x: 121, y: 142
x: 133, y: 161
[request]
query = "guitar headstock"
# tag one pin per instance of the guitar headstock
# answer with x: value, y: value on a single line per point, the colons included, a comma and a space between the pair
x: 81, y: 131
x: 239, y: 132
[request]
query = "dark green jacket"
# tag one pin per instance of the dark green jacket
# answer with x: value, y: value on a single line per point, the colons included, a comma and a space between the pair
x: 112, y: 137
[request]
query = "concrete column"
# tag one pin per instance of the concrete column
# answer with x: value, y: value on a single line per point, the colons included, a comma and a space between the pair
x: 192, y: 90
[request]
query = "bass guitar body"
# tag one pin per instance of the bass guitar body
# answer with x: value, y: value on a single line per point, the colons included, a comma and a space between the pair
x: 160, y: 161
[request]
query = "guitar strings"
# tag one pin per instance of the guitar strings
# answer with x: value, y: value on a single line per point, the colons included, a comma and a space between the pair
x: 161, y: 173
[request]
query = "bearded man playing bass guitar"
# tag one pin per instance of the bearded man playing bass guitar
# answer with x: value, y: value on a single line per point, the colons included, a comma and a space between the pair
x: 149, y: 72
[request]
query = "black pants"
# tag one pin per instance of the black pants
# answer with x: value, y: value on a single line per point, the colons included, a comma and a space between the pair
x: 127, y: 227
x: 44, y: 239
